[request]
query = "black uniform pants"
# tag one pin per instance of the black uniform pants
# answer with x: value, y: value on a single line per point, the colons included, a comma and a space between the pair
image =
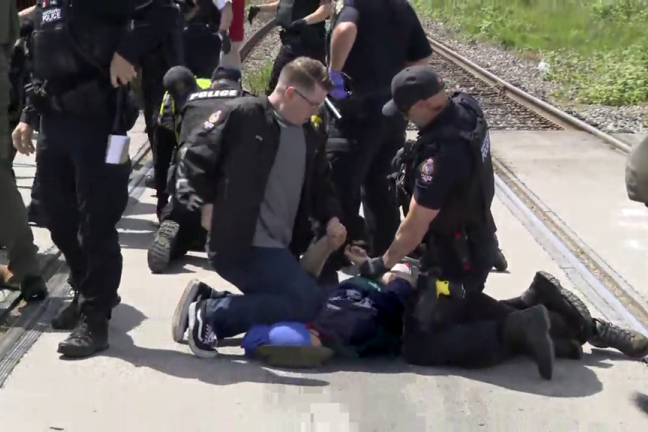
x: 202, y: 49
x: 469, y: 336
x: 165, y: 142
x: 191, y: 233
x: 288, y: 53
x: 364, y: 162
x: 154, y: 67
x: 84, y: 198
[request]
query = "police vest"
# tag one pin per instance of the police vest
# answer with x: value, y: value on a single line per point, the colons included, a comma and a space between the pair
x: 66, y: 49
x: 169, y: 116
x: 290, y: 11
x: 469, y: 205
x: 207, y: 13
x: 201, y: 104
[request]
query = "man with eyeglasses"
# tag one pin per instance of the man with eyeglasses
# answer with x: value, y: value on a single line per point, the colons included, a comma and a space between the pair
x: 257, y: 169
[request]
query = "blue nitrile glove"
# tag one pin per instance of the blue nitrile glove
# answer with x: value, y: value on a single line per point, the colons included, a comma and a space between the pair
x: 339, y: 90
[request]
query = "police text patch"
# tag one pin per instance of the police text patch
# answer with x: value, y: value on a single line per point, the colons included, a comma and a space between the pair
x: 209, y: 94
x: 426, y: 169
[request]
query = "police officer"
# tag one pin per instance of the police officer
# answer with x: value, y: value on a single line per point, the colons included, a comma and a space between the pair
x: 15, y: 232
x: 159, y: 23
x: 180, y: 230
x: 449, y: 176
x: 362, y: 153
x: 205, y: 34
x: 636, y: 173
x: 82, y: 55
x: 303, y: 31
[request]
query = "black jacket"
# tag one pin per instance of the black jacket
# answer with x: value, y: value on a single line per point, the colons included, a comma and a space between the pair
x: 227, y: 162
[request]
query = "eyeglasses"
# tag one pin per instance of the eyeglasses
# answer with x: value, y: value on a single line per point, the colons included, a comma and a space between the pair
x: 313, y: 105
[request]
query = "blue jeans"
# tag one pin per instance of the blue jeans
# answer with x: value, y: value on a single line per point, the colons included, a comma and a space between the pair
x: 275, y: 288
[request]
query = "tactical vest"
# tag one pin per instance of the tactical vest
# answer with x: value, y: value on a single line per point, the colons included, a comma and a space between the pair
x: 207, y: 13
x: 469, y: 205
x: 201, y: 104
x: 66, y: 49
x: 169, y: 116
x: 290, y: 11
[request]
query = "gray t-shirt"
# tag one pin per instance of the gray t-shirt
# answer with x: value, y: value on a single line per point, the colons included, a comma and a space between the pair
x: 283, y: 190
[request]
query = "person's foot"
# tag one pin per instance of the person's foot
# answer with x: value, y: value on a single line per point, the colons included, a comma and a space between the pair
x: 193, y: 292
x: 89, y: 337
x: 160, y: 253
x: 68, y: 318
x: 500, y: 261
x: 33, y: 288
x: 7, y: 279
x: 629, y: 342
x: 529, y: 330
x: 201, y: 336
x: 547, y: 290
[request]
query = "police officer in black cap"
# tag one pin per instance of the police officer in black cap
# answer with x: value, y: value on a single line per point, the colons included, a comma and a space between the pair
x: 366, y: 142
x: 83, y: 56
x: 180, y: 229
x: 449, y: 176
x: 303, y: 31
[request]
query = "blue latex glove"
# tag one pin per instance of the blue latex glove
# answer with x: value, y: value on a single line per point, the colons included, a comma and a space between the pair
x: 339, y: 91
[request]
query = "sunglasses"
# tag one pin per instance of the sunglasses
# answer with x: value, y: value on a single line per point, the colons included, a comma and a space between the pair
x: 314, y: 105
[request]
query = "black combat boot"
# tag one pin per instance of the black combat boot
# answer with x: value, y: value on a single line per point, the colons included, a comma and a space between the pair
x: 564, y: 338
x: 89, y: 337
x: 68, y: 318
x: 629, y: 342
x: 528, y: 330
x: 547, y: 290
x: 161, y: 251
x: 33, y: 288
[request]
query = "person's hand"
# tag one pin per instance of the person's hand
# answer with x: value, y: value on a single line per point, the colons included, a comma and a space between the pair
x: 298, y: 25
x: 373, y: 268
x: 252, y: 13
x: 335, y: 229
x: 121, y: 71
x: 339, y: 91
x: 226, y: 43
x: 356, y: 255
x: 206, y: 216
x: 22, y: 139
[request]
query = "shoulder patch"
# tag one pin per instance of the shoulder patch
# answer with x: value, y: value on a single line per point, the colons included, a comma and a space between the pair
x: 426, y: 170
x: 213, y: 120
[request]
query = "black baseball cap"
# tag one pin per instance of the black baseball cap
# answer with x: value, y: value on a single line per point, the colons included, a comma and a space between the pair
x: 411, y: 85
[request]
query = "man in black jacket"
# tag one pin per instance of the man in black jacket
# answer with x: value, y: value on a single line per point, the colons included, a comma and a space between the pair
x: 261, y: 169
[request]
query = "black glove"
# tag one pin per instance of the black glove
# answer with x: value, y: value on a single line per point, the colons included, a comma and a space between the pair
x: 298, y: 25
x: 252, y: 13
x: 373, y: 268
x: 226, y: 43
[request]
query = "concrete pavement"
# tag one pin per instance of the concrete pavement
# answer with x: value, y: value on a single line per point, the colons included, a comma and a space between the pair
x: 146, y: 382
x: 582, y: 183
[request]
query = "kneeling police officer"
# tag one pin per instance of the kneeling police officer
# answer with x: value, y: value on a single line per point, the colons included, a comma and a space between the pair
x: 449, y: 177
x: 80, y: 63
x: 180, y: 229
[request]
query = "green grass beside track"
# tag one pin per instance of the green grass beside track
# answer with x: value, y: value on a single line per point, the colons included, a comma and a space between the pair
x: 597, y: 50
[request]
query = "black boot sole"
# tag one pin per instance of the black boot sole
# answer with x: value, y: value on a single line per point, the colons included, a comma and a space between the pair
x: 159, y: 254
x: 551, y: 294
x: 537, y: 334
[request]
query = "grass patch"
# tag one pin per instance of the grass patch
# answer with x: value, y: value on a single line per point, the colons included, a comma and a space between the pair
x: 255, y: 81
x: 597, y: 50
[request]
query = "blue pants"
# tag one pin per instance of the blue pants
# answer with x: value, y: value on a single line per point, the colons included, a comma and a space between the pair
x: 275, y: 289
